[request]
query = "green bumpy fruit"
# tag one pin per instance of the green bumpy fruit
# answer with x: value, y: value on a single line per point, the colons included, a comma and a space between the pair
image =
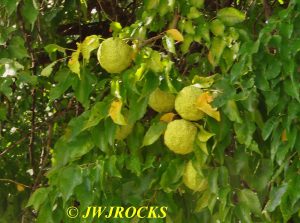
x: 185, y: 103
x: 114, y: 55
x: 123, y: 131
x: 180, y: 135
x: 161, y: 101
x: 192, y: 179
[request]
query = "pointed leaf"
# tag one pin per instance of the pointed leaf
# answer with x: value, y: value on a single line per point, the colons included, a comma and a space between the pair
x: 38, y: 198
x: 48, y: 69
x: 89, y: 44
x: 203, y: 104
x: 168, y: 117
x: 204, y: 135
x: 98, y: 112
x: 217, y: 47
x: 73, y: 63
x: 153, y: 133
x: 175, y: 34
x: 69, y: 178
x: 250, y: 199
x: 115, y: 113
x: 268, y: 127
x: 232, y: 112
x: 169, y: 44
x: 230, y: 16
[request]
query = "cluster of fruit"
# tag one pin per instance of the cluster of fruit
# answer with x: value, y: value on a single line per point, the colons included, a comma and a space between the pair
x: 114, y: 56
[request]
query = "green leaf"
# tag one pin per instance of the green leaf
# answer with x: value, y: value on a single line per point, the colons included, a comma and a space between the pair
x: 65, y: 80
x: 269, y: 126
x: 213, y: 181
x: 30, y: 11
x: 75, y: 149
x: 69, y: 178
x: 291, y: 88
x: 38, y: 197
x: 204, y: 82
x: 230, y: 16
x: 48, y: 69
x: 276, y: 195
x: 203, y: 202
x: 84, y: 87
x: 111, y: 167
x: 89, y: 44
x: 232, y: 111
x: 27, y: 77
x: 151, y: 83
x: 45, y: 214
x: 155, y: 62
x: 134, y: 164
x: 73, y: 63
x: 249, y: 199
x: 137, y: 107
x: 273, y: 69
x: 169, y: 44
x: 16, y: 48
x: 98, y: 112
x: 204, y: 135
x: 217, y: 47
x: 244, y: 132
x: 115, y: 27
x: 171, y: 178
x: 154, y: 132
x: 3, y: 111
x: 5, y: 88
x: 243, y: 213
x: 10, y: 5
x: 51, y: 48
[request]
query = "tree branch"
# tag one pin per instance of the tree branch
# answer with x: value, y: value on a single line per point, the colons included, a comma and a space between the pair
x: 267, y: 9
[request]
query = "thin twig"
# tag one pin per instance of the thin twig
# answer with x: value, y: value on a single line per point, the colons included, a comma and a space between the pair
x: 28, y: 42
x: 14, y: 182
x: 105, y: 14
x: 13, y: 145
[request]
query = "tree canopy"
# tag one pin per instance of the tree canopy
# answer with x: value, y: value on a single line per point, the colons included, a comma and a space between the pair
x: 191, y: 105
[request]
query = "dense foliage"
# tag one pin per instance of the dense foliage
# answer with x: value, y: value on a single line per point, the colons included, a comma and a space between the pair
x: 64, y: 120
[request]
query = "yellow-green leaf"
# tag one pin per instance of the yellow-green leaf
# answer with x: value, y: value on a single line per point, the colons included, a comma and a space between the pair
x: 217, y: 47
x: 230, y: 16
x: 89, y: 44
x: 203, y: 201
x: 48, y: 69
x: 203, y: 147
x: 168, y: 117
x: 175, y: 34
x: 203, y: 104
x: 115, y: 113
x: 73, y: 63
x: 204, y: 135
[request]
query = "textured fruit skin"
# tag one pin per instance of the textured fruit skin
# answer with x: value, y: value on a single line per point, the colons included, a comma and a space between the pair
x: 123, y: 131
x: 161, y: 101
x: 185, y: 103
x: 192, y: 179
x: 114, y: 55
x: 180, y: 135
